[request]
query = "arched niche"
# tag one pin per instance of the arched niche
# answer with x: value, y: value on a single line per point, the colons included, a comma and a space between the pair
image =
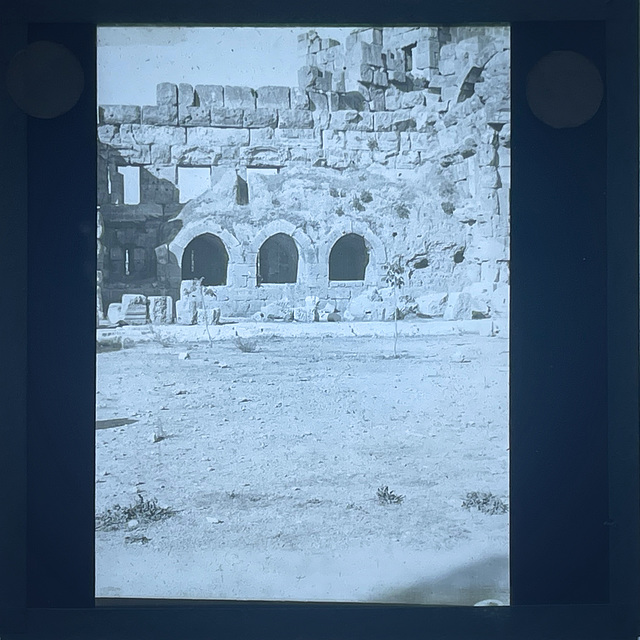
x: 277, y: 261
x: 205, y: 257
x: 348, y: 258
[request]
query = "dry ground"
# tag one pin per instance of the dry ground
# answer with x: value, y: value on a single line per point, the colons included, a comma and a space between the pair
x: 272, y: 460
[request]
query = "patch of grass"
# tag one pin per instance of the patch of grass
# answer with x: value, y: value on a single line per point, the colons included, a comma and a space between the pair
x: 366, y: 196
x: 339, y: 211
x: 485, y: 502
x: 402, y: 211
x: 246, y: 345
x: 356, y: 204
x: 387, y: 496
x: 144, y: 511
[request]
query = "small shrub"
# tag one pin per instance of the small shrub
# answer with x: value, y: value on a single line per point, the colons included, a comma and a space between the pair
x: 339, y: 211
x: 246, y: 345
x: 385, y: 496
x: 402, y: 211
x: 485, y: 503
x: 366, y: 196
x: 144, y: 511
x: 356, y: 204
x: 373, y: 145
x: 334, y: 193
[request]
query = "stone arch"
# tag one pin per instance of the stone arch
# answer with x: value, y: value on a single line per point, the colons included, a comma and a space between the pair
x: 348, y: 258
x: 306, y: 253
x: 201, y: 227
x: 375, y: 248
x: 205, y: 257
x: 277, y: 261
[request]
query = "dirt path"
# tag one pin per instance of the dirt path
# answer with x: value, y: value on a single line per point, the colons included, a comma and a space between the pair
x: 272, y: 461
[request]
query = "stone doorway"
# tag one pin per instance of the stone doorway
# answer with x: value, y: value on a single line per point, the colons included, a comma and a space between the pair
x: 278, y: 260
x: 206, y: 257
x: 349, y: 258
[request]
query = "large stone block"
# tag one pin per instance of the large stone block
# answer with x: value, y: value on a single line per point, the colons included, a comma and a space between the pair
x: 273, y: 98
x: 239, y: 98
x: 299, y: 99
x: 114, y: 313
x: 412, y: 99
x: 108, y: 133
x: 133, y: 154
x: 160, y: 154
x: 162, y: 114
x: 388, y: 141
x: 260, y: 118
x: 166, y: 94
x: 194, y: 155
x: 151, y: 134
x: 333, y: 139
x: 361, y: 140
x: 226, y: 117
x: 187, y: 311
x: 119, y: 114
x: 295, y: 119
x: 263, y: 136
x: 160, y: 309
x: 432, y: 305
x: 423, y: 141
x: 134, y: 309
x: 305, y: 138
x: 194, y: 116
x: 407, y: 160
x: 264, y: 157
x: 216, y: 137
x: 351, y: 120
x: 186, y: 95
x: 210, y: 95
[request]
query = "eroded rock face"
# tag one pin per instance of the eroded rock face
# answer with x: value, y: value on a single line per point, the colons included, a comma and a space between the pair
x: 399, y: 136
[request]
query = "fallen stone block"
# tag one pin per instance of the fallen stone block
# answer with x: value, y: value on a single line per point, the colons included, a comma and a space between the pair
x: 114, y: 313
x: 134, y: 309
x: 432, y: 305
x: 187, y: 311
x: 160, y: 309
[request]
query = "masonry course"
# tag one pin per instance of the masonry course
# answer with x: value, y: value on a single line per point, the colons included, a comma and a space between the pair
x: 400, y: 136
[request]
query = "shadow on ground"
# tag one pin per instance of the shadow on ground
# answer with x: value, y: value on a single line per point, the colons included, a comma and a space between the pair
x: 486, y: 579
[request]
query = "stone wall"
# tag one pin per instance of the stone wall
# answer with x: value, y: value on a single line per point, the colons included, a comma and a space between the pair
x: 398, y: 135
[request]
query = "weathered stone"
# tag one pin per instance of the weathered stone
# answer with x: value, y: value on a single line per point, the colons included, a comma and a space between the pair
x: 194, y: 116
x: 388, y: 141
x: 210, y: 316
x: 432, y: 305
x: 160, y: 309
x: 361, y: 140
x: 210, y: 95
x: 412, y: 99
x: 273, y: 98
x: 133, y: 154
x: 108, y: 133
x: 367, y: 306
x: 333, y: 139
x: 297, y: 137
x: 119, y: 114
x: 299, y: 99
x: 318, y: 101
x: 295, y: 119
x: 264, y: 157
x: 167, y: 94
x: 407, y: 160
x: 351, y: 121
x: 239, y: 98
x: 114, y: 313
x: 376, y: 100
x: 151, y: 134
x: 208, y: 137
x: 162, y: 114
x: 186, y: 95
x: 260, y: 118
x: 227, y: 117
x: 187, y: 311
x: 194, y: 155
x: 134, y: 309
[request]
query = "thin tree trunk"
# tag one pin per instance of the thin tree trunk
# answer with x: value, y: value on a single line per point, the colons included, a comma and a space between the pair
x: 395, y: 322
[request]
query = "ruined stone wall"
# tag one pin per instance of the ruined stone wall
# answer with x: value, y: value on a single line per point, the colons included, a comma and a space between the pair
x: 398, y: 135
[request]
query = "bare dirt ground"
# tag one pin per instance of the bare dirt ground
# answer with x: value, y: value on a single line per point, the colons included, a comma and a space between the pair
x: 272, y: 460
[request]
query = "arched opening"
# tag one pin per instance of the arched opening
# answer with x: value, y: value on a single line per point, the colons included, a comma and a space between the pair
x: 349, y: 258
x: 278, y: 260
x: 205, y: 257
